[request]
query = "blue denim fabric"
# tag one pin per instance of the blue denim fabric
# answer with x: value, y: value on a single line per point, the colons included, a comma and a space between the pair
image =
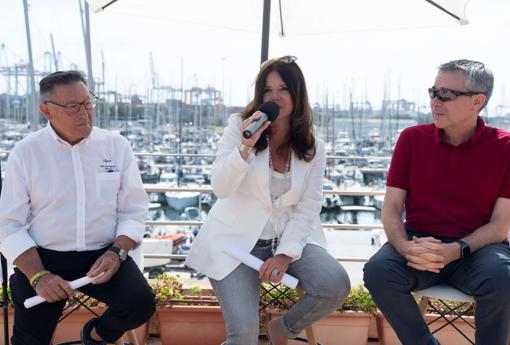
x: 324, y: 280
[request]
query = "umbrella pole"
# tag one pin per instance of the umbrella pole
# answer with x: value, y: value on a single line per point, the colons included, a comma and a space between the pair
x: 265, y: 31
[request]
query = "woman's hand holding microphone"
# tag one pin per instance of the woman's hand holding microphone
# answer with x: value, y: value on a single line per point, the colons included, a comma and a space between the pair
x: 247, y: 144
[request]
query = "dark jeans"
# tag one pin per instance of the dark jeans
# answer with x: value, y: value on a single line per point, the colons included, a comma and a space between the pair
x: 484, y: 275
x: 129, y: 298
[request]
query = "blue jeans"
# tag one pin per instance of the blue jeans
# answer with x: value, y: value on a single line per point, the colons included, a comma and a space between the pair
x: 484, y: 275
x: 324, y: 280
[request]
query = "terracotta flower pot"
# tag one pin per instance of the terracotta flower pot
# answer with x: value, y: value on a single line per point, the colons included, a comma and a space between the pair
x: 349, y: 326
x: 447, y: 335
x: 191, y: 325
x: 11, y: 318
x: 69, y: 328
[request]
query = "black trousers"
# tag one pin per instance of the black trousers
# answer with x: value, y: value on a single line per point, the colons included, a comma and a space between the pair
x: 129, y: 298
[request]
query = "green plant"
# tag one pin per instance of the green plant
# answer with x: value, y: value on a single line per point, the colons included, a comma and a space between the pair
x: 85, y: 300
x: 8, y: 294
x: 167, y: 289
x: 283, y: 297
x: 277, y: 296
x: 196, y: 290
x: 359, y: 299
x: 446, y: 307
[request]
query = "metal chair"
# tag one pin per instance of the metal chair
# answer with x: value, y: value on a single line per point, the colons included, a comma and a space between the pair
x: 5, y: 296
x: 442, y: 293
x: 275, y: 293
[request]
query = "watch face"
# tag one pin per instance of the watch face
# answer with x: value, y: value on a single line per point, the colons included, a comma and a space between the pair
x: 464, y: 249
x: 119, y: 251
x: 122, y: 254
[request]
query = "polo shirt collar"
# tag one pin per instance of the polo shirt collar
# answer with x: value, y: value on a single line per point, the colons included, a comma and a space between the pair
x: 480, y: 129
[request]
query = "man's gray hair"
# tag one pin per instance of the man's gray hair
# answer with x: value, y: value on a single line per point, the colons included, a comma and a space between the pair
x: 477, y: 77
x: 47, y: 84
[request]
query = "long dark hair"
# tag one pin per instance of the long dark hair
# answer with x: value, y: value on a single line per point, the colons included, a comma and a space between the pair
x: 301, y: 137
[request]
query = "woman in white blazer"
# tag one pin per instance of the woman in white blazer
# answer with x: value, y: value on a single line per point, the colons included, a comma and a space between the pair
x: 269, y: 190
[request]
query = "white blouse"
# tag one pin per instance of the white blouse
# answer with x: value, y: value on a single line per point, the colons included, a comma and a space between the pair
x: 279, y: 184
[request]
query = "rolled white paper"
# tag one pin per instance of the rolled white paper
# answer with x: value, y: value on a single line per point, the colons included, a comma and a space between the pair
x: 255, y: 263
x: 75, y: 284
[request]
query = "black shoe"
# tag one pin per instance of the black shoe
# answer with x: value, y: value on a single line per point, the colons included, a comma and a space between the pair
x: 85, y: 334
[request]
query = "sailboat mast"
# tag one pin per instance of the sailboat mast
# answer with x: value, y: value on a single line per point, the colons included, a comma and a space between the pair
x: 32, y: 112
x: 85, y: 22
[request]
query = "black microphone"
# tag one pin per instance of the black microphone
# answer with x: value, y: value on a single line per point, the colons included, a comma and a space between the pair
x: 269, y: 112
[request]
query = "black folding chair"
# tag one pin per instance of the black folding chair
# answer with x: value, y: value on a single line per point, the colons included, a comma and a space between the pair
x: 5, y: 295
x: 277, y: 296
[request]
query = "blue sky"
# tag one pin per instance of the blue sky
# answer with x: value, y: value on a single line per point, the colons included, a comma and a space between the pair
x: 229, y: 60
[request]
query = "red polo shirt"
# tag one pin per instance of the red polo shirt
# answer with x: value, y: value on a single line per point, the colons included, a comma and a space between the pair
x: 451, y: 190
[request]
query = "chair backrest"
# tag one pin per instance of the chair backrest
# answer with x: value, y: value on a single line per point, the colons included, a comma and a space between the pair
x: 5, y: 296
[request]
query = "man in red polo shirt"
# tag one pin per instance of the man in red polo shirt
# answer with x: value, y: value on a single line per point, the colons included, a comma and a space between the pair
x: 453, y: 178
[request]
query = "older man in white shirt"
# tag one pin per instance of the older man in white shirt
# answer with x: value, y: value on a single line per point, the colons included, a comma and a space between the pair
x: 72, y: 204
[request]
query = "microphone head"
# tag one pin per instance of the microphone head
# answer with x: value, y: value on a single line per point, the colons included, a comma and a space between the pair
x: 271, y: 109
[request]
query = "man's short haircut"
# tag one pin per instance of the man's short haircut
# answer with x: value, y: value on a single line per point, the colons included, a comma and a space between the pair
x: 47, y: 84
x: 477, y: 77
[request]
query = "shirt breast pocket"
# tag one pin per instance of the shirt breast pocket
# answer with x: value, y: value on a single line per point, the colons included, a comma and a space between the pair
x: 107, y: 186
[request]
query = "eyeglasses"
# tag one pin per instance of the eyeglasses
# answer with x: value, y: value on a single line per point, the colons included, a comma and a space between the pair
x: 288, y: 59
x: 446, y: 95
x: 74, y: 108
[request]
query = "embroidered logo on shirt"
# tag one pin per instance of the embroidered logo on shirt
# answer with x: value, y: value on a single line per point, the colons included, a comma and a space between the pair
x: 107, y: 166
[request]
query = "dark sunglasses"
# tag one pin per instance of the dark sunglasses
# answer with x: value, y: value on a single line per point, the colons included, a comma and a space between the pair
x: 446, y: 95
x: 288, y: 59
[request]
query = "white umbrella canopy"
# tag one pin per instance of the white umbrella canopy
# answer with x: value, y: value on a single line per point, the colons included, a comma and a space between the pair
x: 296, y: 17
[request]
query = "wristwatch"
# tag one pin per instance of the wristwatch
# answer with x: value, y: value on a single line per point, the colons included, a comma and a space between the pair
x: 465, y: 250
x: 120, y: 252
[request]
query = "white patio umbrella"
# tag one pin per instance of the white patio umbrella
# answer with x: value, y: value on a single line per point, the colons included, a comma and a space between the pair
x: 296, y: 17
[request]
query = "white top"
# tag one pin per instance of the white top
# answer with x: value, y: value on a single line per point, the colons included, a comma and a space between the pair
x: 70, y: 198
x: 279, y: 184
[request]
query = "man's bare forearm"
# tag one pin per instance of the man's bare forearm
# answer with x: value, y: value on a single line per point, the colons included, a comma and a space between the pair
x: 29, y: 262
x: 495, y: 231
x: 396, y: 233
x: 392, y: 218
x: 490, y: 233
x: 124, y: 242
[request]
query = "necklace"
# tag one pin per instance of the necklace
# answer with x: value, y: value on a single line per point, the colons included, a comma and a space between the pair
x: 275, y: 241
x: 287, y: 164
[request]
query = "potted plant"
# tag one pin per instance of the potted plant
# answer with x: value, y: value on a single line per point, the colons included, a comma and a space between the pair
x: 10, y: 313
x: 185, y: 317
x: 350, y: 322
